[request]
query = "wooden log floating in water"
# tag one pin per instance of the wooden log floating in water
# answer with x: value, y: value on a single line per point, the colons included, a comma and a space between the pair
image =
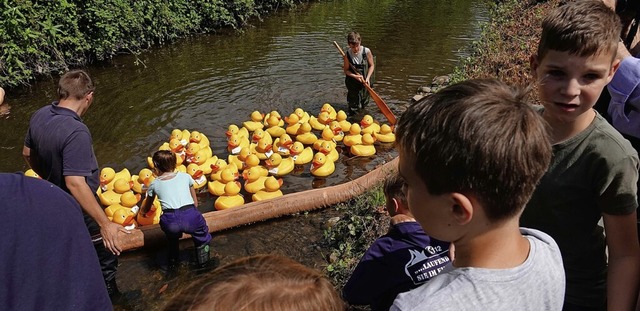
x: 262, y: 210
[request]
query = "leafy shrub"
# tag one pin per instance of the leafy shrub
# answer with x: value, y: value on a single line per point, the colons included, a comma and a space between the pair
x: 40, y: 37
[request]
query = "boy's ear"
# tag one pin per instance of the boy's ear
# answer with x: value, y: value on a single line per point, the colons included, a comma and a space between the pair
x: 614, y: 67
x: 533, y: 62
x: 462, y: 209
x: 395, y: 205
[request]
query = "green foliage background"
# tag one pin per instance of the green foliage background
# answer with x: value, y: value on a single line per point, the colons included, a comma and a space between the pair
x: 44, y: 36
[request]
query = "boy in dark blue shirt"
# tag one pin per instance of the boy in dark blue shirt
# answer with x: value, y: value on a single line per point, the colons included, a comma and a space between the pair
x: 398, y: 261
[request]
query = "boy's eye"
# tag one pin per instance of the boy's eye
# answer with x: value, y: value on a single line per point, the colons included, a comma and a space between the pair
x: 592, y: 76
x: 556, y: 73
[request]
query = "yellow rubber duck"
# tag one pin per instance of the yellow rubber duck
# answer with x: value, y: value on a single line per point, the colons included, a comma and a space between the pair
x: 271, y: 190
x: 293, y: 124
x: 236, y: 143
x: 32, y: 173
x: 263, y: 149
x: 141, y: 182
x: 300, y: 154
x: 260, y: 134
x: 282, y: 144
x: 302, y: 115
x: 108, y: 176
x: 354, y: 137
x: 152, y: 217
x: 329, y: 149
x: 324, y: 118
x: 108, y: 198
x: 329, y: 110
x: 122, y: 185
x: 185, y: 137
x: 204, y: 162
x: 326, y: 135
x: 216, y: 187
x: 366, y: 148
x: 273, y: 127
x: 200, y: 139
x: 176, y: 134
x: 321, y: 166
x: 341, y: 117
x: 200, y: 180
x: 338, y: 134
x: 305, y: 136
x: 386, y: 134
x: 216, y: 169
x: 234, y: 129
x: 278, y: 166
x: 181, y: 168
x: 253, y: 180
x: 125, y: 217
x: 255, y: 122
x: 253, y: 161
x: 369, y: 126
x: 315, y: 122
x: 276, y: 114
x: 231, y: 197
x: 239, y: 159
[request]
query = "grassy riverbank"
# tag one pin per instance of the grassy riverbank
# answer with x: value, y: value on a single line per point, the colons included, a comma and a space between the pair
x: 502, y: 51
x: 44, y: 37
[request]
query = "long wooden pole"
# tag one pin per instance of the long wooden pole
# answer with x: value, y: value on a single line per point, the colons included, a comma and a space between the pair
x: 259, y: 211
x: 376, y: 98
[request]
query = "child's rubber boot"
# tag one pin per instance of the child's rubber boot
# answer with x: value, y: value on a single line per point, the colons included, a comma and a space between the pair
x: 202, y: 255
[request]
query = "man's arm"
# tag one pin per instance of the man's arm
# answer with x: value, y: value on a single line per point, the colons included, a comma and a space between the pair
x: 372, y: 66
x: 623, y: 274
x: 80, y: 190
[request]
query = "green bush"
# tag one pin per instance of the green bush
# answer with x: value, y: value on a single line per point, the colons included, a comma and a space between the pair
x: 41, y: 37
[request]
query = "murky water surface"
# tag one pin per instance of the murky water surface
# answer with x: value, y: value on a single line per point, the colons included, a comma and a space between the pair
x: 206, y: 82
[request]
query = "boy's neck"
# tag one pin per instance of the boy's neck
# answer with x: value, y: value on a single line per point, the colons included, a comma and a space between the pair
x: 561, y: 131
x: 499, y: 247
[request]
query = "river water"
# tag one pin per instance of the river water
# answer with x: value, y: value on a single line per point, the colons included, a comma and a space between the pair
x: 206, y: 82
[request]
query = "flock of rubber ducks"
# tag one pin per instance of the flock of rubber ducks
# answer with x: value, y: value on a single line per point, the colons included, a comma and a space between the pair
x: 260, y: 151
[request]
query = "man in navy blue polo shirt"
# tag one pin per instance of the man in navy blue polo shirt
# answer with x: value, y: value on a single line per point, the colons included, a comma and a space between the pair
x: 47, y: 260
x: 58, y: 146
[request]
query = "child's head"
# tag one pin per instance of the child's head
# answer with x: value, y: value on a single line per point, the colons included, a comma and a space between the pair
x: 75, y: 84
x: 353, y: 38
x: 475, y: 143
x: 583, y: 28
x: 396, y: 201
x: 163, y: 161
x: 260, y: 283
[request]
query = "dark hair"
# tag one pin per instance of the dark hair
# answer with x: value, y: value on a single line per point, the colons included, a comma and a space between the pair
x: 393, y: 185
x: 75, y: 84
x: 479, y: 137
x: 353, y: 37
x: 164, y: 161
x: 583, y: 28
x: 260, y: 283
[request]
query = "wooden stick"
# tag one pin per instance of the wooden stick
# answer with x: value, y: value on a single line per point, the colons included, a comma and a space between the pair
x: 376, y: 98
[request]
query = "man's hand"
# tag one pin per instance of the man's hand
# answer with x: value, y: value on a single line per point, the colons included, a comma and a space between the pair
x: 109, y: 234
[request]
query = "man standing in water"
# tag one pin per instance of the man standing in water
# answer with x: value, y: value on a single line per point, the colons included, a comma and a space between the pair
x: 361, y: 58
x: 58, y: 146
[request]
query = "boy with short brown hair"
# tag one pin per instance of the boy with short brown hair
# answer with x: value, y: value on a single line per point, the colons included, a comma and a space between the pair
x: 594, y: 169
x: 471, y: 156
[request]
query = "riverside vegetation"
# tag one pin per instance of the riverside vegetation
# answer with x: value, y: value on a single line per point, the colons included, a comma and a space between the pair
x: 44, y: 37
x: 502, y: 51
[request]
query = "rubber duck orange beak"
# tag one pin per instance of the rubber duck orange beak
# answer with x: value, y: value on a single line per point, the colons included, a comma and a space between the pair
x: 288, y: 143
x: 268, y: 163
x: 268, y: 147
x: 128, y: 221
x: 215, y: 167
x: 324, y: 150
x: 245, y: 175
x: 280, y: 181
x: 197, y: 174
x: 364, y: 123
x: 228, y: 133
